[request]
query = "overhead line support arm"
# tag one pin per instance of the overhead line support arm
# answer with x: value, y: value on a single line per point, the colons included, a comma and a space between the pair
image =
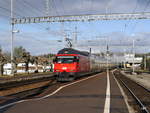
x: 69, y: 18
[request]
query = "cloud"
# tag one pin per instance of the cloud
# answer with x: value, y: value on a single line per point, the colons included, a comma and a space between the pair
x: 38, y: 42
x: 34, y: 45
x: 24, y: 8
x: 118, y: 42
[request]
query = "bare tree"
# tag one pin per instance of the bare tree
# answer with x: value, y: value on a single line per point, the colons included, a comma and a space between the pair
x: 34, y: 60
x: 2, y: 62
x: 45, y: 63
x: 26, y: 58
x: 18, y: 51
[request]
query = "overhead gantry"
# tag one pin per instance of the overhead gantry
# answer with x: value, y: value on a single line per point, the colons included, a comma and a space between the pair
x: 88, y: 17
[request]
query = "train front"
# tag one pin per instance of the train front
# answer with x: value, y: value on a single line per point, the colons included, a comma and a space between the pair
x: 65, y: 66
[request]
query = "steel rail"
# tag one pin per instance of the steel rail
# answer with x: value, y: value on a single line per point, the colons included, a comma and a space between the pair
x: 142, y: 106
x: 148, y: 90
x: 140, y: 84
x: 24, y: 81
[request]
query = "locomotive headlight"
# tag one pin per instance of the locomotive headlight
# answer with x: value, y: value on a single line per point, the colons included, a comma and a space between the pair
x: 64, y: 68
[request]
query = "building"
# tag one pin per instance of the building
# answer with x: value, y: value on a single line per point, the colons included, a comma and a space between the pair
x: 21, y: 68
x: 7, y: 69
x: 130, y: 59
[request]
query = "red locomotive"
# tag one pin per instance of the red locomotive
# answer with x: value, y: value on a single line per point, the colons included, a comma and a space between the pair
x: 70, y: 64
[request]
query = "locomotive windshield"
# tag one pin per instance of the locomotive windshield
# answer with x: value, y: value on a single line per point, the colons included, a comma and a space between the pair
x: 66, y: 59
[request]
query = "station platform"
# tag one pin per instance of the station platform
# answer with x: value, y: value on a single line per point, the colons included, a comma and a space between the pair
x: 87, y: 95
x: 143, y: 78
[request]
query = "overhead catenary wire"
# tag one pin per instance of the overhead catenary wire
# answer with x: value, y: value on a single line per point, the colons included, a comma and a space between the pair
x: 39, y: 10
x: 127, y: 24
x: 8, y: 16
x: 8, y: 11
x: 6, y: 1
x: 92, y: 0
x: 17, y: 14
x: 23, y: 36
x: 82, y: 4
x: 62, y: 4
x: 41, y: 26
x: 35, y: 39
x: 47, y: 7
x: 137, y: 22
x: 4, y: 16
x: 35, y: 12
x: 92, y: 3
x: 57, y: 13
x: 106, y: 12
x: 5, y: 9
x: 26, y: 4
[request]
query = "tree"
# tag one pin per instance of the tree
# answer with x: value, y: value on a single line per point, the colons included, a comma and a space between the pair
x: 19, y: 51
x: 0, y: 49
x: 26, y: 58
x: 18, y: 56
x: 34, y: 60
x: 21, y: 55
x: 146, y: 60
x: 45, y: 63
x: 2, y: 62
x: 148, y: 63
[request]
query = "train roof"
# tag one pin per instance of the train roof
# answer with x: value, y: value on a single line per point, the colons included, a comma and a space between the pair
x: 73, y: 51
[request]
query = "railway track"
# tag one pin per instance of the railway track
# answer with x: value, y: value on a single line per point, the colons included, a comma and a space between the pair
x: 29, y: 91
x: 139, y: 96
x: 42, y: 88
x: 17, y: 88
x: 7, y: 83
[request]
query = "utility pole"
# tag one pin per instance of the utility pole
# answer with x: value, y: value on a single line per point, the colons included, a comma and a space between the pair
x: 12, y: 40
x: 145, y: 58
x: 67, y: 40
x: 69, y: 43
x: 133, y: 68
x: 75, y: 37
x: 107, y: 54
x: 124, y: 59
x: 117, y: 61
x: 47, y: 7
x: 63, y: 34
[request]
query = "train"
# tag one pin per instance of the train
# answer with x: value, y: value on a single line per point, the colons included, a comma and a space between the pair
x: 70, y: 64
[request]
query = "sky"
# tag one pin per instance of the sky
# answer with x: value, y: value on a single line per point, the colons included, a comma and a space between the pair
x: 41, y: 38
